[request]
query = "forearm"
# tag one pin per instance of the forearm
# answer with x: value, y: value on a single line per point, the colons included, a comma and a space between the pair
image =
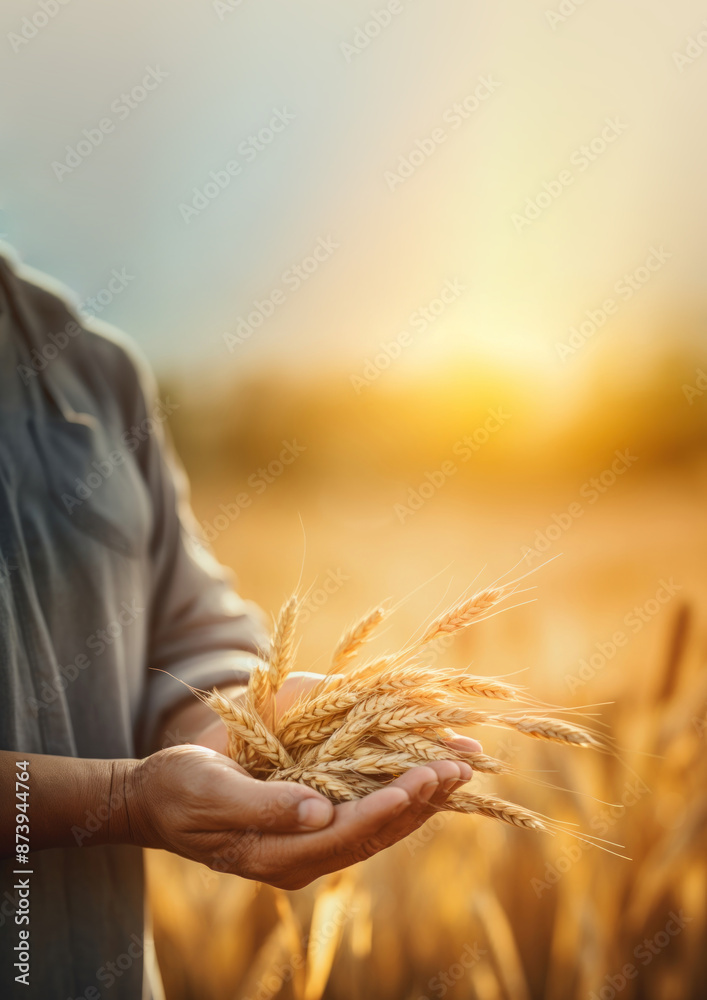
x: 64, y: 792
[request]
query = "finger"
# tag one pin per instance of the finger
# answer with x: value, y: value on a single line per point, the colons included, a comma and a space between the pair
x: 450, y: 774
x: 428, y: 796
x: 449, y: 783
x: 463, y: 744
x: 361, y: 828
x: 356, y: 823
x: 275, y: 806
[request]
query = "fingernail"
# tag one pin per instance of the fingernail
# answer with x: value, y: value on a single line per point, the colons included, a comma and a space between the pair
x: 314, y: 813
x: 449, y: 785
x: 464, y: 744
x: 428, y: 790
x: 466, y: 770
x: 401, y: 806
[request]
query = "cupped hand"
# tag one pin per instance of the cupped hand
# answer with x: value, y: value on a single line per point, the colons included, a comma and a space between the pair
x: 195, y: 802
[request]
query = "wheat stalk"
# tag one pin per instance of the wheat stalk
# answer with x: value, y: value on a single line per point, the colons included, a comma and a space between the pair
x: 244, y: 725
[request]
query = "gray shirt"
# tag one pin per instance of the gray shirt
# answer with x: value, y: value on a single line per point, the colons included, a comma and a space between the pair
x: 102, y: 577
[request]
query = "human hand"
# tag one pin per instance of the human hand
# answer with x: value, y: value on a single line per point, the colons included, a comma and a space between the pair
x: 200, y: 804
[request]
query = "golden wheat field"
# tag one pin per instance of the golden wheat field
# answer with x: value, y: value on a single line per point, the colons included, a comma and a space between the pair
x: 467, y: 907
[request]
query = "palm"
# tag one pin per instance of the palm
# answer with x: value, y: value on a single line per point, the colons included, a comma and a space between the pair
x: 202, y: 805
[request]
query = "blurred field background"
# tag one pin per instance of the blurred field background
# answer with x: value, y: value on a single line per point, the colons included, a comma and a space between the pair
x: 530, y: 916
x: 559, y: 348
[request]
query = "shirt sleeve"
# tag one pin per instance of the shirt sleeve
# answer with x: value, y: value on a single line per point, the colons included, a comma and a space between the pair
x: 201, y: 632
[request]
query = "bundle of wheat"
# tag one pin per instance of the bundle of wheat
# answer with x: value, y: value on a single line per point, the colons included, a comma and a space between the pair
x: 354, y: 732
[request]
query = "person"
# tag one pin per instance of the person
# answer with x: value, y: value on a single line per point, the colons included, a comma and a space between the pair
x: 108, y: 599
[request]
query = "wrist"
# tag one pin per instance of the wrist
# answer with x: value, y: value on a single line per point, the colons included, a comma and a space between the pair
x: 125, y: 804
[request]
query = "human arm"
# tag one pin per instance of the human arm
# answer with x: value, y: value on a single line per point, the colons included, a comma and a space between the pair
x: 197, y: 803
x: 61, y: 793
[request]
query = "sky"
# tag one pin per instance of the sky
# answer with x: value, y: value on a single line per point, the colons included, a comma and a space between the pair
x: 304, y: 186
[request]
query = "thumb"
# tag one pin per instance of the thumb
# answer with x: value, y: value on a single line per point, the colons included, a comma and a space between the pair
x: 276, y: 806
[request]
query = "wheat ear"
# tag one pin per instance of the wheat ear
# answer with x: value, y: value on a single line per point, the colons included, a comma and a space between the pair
x: 266, y: 679
x: 465, y: 613
x: 355, y: 637
x: 244, y: 724
x: 554, y: 730
x: 489, y: 805
x: 282, y: 653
